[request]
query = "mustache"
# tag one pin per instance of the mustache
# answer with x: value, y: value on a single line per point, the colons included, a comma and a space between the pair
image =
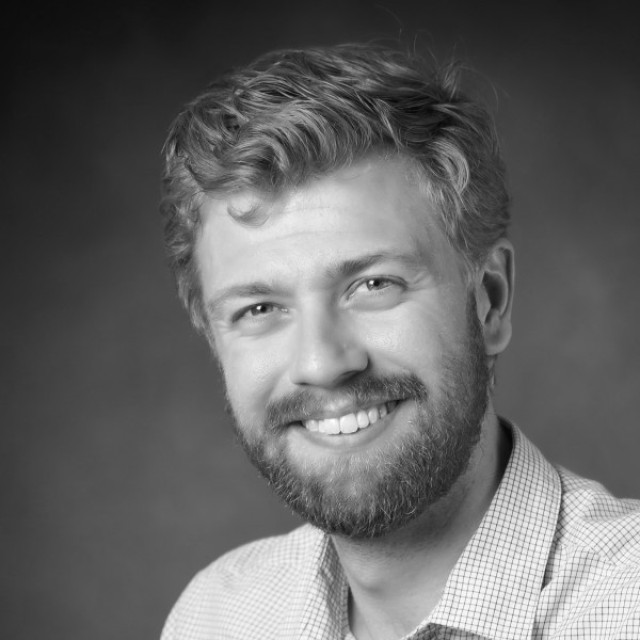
x: 360, y: 392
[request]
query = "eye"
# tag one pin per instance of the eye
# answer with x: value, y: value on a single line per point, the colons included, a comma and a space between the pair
x: 377, y: 284
x: 376, y: 292
x: 259, y: 317
x: 257, y: 310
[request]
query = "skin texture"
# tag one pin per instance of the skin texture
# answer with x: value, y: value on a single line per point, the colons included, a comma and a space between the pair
x: 349, y: 278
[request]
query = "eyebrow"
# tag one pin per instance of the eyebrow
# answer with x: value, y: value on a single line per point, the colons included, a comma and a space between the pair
x: 337, y: 271
x: 352, y: 266
x: 250, y: 290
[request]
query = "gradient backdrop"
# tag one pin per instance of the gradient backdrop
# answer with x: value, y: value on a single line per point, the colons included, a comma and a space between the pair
x: 119, y: 472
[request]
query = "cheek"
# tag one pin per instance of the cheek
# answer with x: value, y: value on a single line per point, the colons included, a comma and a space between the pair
x: 416, y: 338
x: 410, y: 335
x: 251, y: 372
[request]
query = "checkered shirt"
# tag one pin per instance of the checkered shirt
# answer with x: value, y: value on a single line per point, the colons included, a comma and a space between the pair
x: 555, y: 556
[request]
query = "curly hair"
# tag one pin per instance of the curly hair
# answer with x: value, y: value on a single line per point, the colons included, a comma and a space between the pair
x: 294, y: 115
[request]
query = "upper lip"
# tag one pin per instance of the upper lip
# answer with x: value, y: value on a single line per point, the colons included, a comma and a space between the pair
x: 337, y: 411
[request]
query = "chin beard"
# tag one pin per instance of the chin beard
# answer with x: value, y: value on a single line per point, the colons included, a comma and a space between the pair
x: 370, y: 495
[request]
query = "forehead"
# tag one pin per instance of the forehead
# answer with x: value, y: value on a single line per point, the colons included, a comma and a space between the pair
x: 374, y: 206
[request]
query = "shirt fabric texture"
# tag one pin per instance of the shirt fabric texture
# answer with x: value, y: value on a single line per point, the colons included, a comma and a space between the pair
x: 555, y: 556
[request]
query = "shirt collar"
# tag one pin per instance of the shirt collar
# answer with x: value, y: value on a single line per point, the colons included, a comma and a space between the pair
x: 494, y: 588
x: 325, y: 613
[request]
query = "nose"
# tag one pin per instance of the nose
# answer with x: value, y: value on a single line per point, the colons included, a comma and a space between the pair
x: 326, y: 352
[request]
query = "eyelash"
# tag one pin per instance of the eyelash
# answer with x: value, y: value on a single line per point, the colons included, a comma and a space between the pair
x: 245, y: 313
x: 387, y: 281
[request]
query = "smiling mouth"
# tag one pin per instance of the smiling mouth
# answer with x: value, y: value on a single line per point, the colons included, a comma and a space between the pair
x: 351, y: 422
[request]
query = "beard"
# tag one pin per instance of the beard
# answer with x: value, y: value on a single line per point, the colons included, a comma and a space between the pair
x: 370, y: 494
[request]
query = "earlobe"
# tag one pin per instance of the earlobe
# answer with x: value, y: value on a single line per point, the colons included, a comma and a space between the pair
x: 494, y: 296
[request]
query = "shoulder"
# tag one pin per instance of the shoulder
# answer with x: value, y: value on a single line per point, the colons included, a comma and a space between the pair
x: 594, y: 521
x: 288, y: 549
x: 244, y: 587
x: 591, y: 586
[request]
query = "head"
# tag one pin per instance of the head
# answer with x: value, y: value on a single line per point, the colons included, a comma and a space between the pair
x: 294, y: 115
x: 315, y: 132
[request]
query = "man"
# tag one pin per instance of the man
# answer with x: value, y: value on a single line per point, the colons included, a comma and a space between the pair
x: 337, y: 221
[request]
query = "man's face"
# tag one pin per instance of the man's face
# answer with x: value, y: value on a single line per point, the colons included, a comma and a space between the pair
x: 350, y: 347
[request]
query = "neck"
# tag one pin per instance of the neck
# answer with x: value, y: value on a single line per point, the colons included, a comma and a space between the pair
x: 396, y: 580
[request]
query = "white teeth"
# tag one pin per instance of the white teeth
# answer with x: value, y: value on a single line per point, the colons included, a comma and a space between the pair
x: 351, y: 422
x: 330, y: 426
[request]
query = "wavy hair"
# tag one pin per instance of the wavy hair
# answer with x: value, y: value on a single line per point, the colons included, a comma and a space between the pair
x: 294, y: 115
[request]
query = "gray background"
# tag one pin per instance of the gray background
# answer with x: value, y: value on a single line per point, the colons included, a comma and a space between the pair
x: 119, y: 473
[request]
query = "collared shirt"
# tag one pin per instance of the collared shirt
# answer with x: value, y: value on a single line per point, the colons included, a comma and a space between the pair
x: 555, y: 556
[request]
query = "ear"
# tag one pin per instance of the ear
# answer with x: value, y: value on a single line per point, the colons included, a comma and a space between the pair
x: 494, y: 296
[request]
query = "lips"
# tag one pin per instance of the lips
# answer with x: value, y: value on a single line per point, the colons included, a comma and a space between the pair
x: 350, y: 422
